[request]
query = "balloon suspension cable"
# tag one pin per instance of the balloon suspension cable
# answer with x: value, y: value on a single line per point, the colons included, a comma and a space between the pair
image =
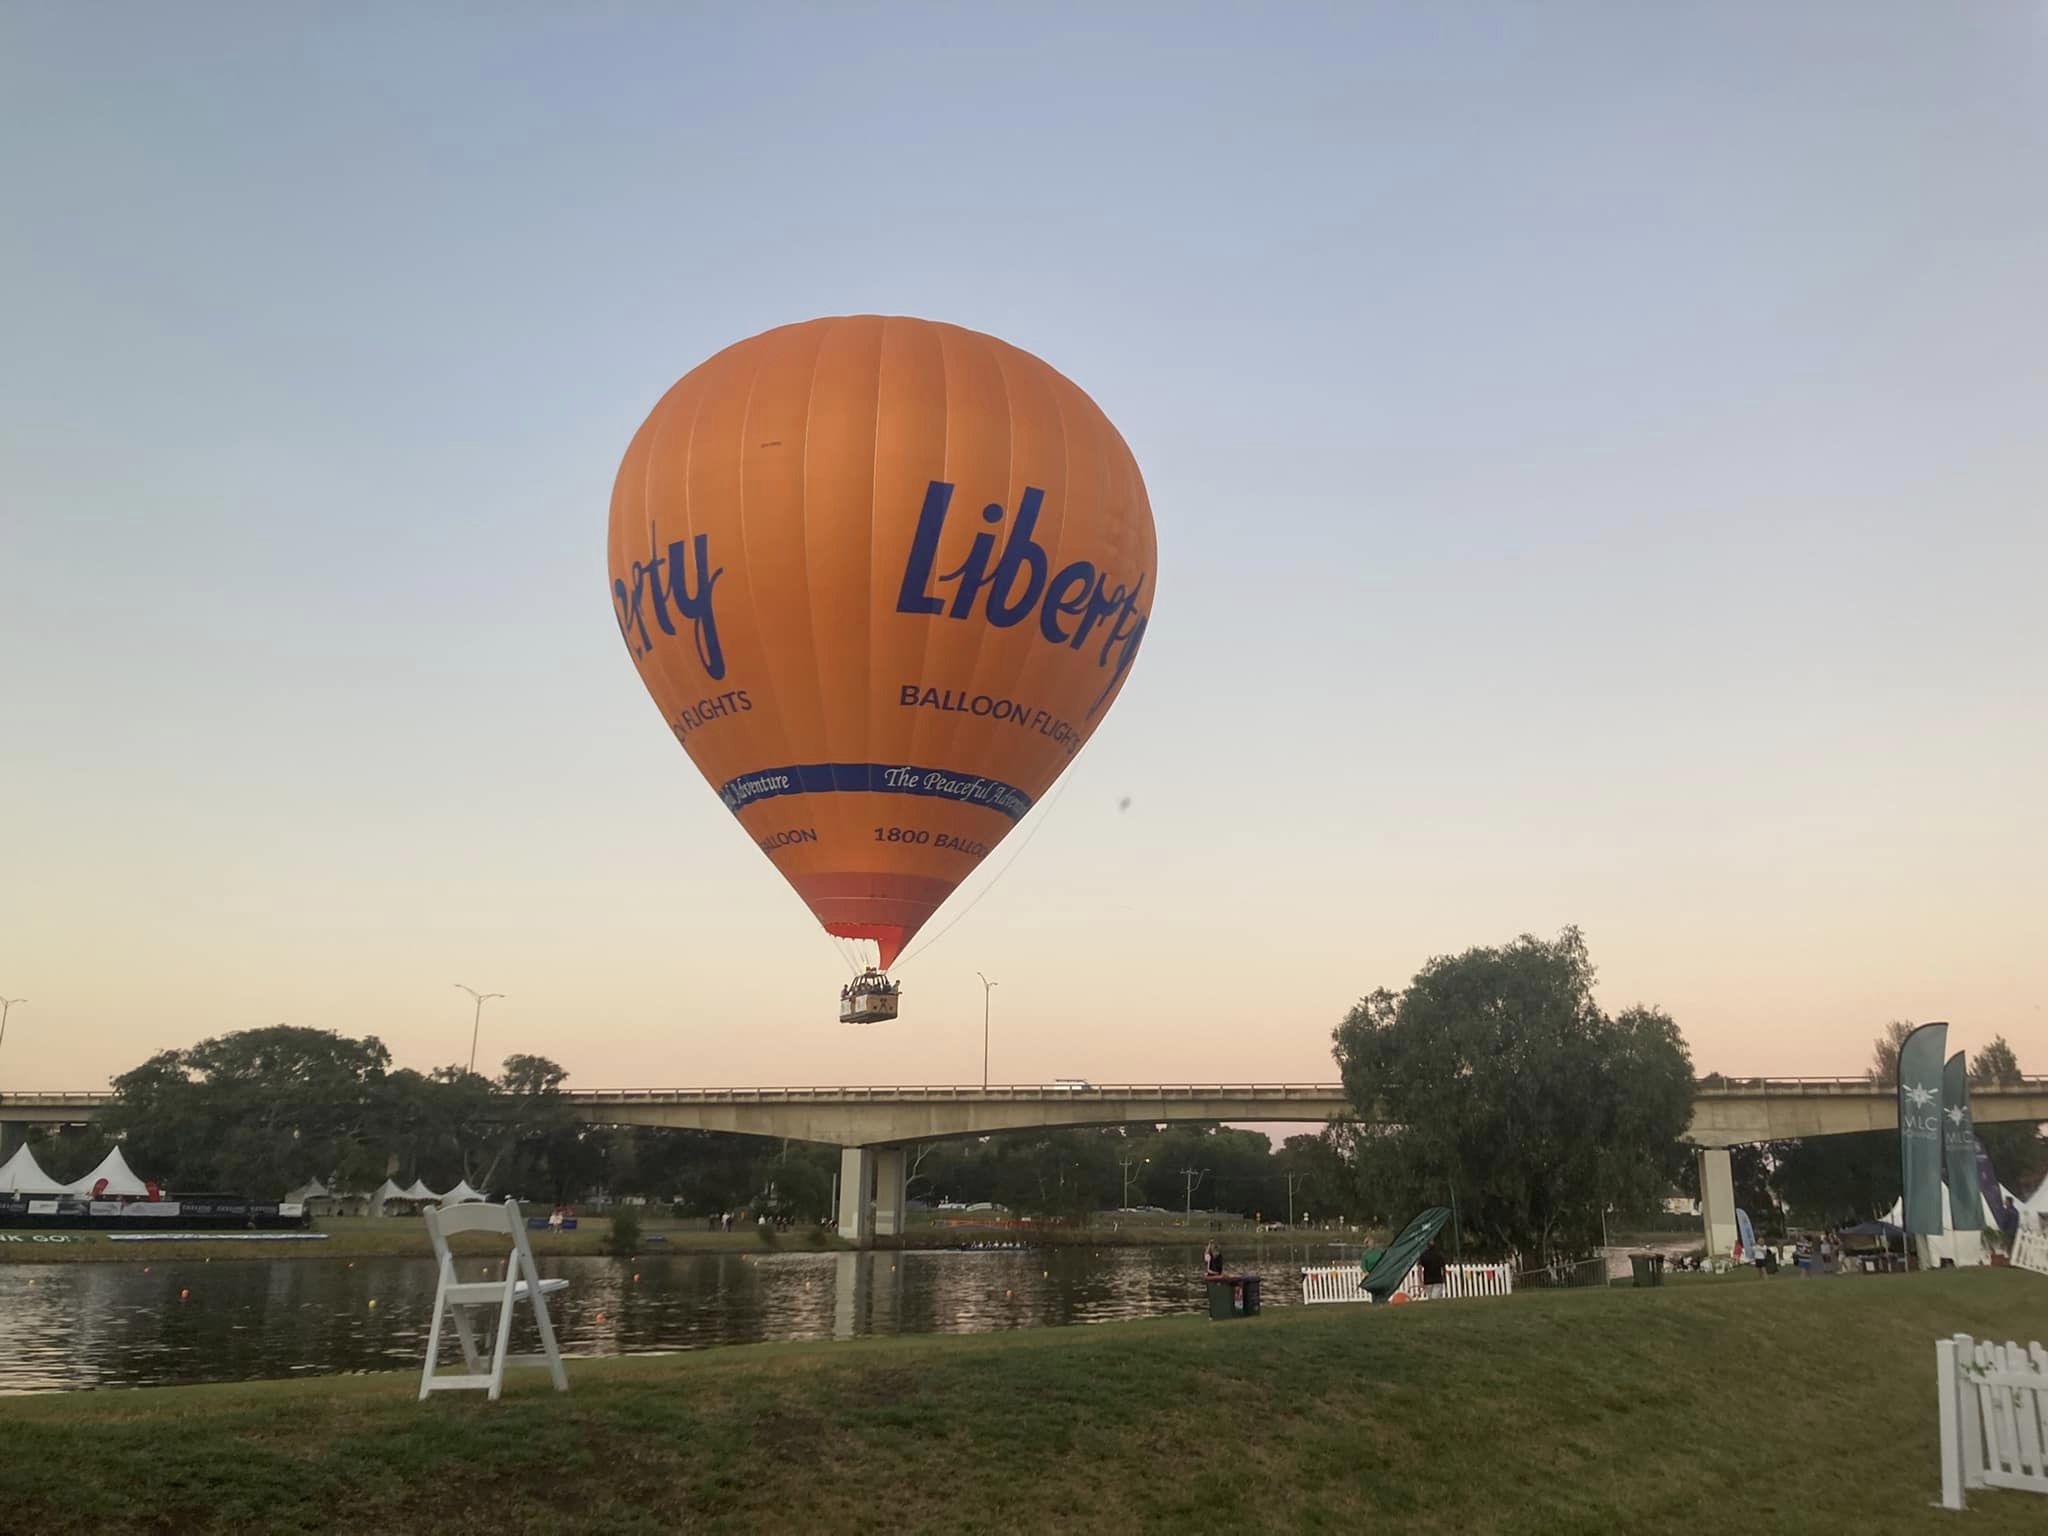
x: 1044, y: 815
x: 845, y: 954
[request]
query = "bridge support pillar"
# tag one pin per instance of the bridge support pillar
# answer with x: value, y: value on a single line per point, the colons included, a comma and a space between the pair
x: 871, y: 1193
x: 856, y: 1198
x: 892, y: 1215
x: 1717, y: 1199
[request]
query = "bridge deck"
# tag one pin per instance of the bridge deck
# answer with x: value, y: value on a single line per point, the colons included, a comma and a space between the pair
x: 1726, y: 1111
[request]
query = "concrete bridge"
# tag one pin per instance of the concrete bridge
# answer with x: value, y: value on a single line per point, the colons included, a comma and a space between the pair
x: 874, y: 1126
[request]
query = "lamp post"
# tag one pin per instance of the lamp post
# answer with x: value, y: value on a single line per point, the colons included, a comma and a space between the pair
x: 1292, y: 1180
x: 476, y: 1025
x: 1128, y: 1164
x: 987, y: 987
x: 1194, y: 1176
x: 6, y: 1007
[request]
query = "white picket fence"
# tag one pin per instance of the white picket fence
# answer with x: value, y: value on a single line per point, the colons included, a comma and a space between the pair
x: 1341, y: 1282
x: 1994, y: 1416
x: 2030, y: 1251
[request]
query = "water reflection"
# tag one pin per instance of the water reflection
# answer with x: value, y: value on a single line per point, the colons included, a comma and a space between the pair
x: 120, y: 1324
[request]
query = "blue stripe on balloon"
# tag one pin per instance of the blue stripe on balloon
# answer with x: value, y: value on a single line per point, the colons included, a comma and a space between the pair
x: 874, y: 778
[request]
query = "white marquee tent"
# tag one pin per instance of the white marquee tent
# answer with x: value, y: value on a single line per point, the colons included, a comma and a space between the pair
x: 319, y: 1200
x: 462, y: 1192
x: 2035, y: 1206
x: 1963, y: 1248
x: 121, y: 1180
x: 1990, y: 1216
x: 389, y: 1193
x: 21, y: 1174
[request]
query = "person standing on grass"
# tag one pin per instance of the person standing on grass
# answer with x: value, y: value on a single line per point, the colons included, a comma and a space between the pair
x: 1432, y: 1272
x: 2009, y: 1223
x: 1212, y: 1260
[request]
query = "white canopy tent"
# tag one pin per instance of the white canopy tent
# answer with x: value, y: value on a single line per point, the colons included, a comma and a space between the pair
x: 419, y: 1191
x: 386, y: 1191
x: 21, y: 1174
x: 462, y: 1192
x: 312, y: 1189
x: 1961, y: 1248
x: 2034, y: 1208
x: 121, y: 1180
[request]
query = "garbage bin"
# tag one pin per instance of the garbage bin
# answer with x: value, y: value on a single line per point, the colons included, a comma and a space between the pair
x: 1646, y: 1268
x: 1222, y: 1298
x: 1248, y: 1295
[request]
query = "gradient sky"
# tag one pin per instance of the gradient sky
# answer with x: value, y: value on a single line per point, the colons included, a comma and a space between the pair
x: 1598, y: 455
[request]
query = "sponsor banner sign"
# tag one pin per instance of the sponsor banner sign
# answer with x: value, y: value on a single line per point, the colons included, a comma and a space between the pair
x: 1920, y: 1122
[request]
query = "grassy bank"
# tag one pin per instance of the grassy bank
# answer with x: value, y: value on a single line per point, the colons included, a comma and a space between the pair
x: 1783, y: 1406
x: 406, y: 1237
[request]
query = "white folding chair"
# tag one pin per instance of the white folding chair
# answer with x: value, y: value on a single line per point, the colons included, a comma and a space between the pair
x: 459, y: 1302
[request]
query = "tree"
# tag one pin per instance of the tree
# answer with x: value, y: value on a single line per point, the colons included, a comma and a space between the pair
x: 1839, y: 1180
x: 258, y: 1110
x: 1314, y: 1169
x: 1494, y: 1079
x: 542, y: 1147
x: 1884, y: 1052
x: 2018, y: 1152
x: 1997, y: 1065
x: 1755, y: 1172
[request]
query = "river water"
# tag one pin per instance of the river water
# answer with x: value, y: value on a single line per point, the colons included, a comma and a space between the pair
x: 69, y: 1326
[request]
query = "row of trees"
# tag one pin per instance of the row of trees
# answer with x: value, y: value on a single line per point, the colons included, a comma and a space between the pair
x: 1071, y: 1174
x: 264, y: 1110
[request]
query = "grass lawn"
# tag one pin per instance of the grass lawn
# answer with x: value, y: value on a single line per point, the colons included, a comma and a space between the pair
x: 1783, y: 1406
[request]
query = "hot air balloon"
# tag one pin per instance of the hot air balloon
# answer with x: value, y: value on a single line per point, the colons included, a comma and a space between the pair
x: 883, y: 577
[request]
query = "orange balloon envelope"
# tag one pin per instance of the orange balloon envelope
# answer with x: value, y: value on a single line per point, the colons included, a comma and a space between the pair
x: 883, y: 578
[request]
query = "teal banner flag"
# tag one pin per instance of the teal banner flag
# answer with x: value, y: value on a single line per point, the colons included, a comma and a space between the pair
x: 1920, y: 1124
x: 1959, y: 1148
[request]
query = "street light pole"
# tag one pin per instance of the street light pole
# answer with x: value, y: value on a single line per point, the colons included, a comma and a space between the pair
x: 1292, y: 1179
x: 987, y: 987
x: 477, y: 1024
x: 1128, y: 1164
x: 1194, y: 1176
x: 6, y: 1007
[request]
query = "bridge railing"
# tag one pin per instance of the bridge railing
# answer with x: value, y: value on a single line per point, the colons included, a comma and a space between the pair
x: 1721, y: 1085
x: 1056, y: 1091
